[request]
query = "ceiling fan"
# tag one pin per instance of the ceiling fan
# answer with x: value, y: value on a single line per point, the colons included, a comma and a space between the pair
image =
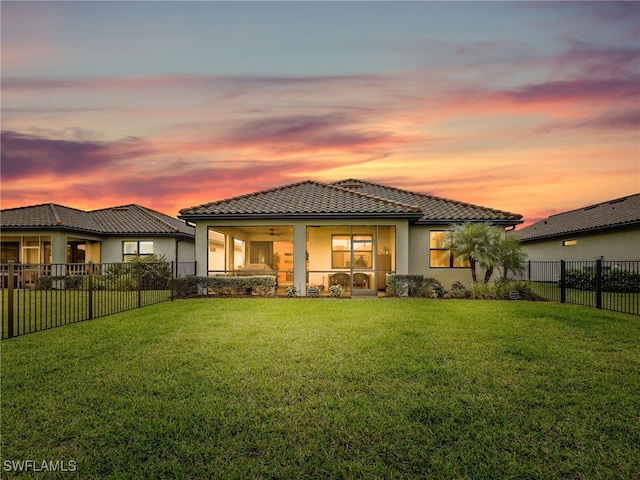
x: 272, y: 233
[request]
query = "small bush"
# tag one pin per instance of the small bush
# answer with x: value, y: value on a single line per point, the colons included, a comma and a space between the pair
x: 458, y: 290
x: 256, y: 285
x: 431, y: 288
x: 404, y: 285
x: 613, y: 280
x: 335, y: 291
x: 292, y: 291
x: 60, y: 282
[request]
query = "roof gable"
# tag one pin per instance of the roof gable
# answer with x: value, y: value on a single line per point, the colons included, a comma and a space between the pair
x: 617, y: 213
x: 307, y: 198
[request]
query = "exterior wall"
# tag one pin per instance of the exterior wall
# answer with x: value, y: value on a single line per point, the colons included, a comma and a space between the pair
x: 112, y: 248
x: 419, y: 259
x: 615, y: 245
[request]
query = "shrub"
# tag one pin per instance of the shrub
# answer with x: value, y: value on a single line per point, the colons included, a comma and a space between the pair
x: 256, y: 285
x: 458, y: 290
x: 483, y: 291
x: 59, y: 282
x: 292, y: 291
x: 335, y: 291
x: 403, y: 285
x: 523, y: 287
x: 613, y: 280
x: 431, y: 288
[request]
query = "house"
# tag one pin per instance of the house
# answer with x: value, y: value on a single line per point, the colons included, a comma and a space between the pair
x: 608, y: 231
x: 55, y: 234
x: 349, y: 232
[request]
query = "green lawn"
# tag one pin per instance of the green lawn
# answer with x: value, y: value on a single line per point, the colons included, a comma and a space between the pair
x: 326, y: 388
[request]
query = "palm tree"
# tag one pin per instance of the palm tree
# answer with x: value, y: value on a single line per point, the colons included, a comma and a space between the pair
x: 512, y: 257
x: 476, y: 243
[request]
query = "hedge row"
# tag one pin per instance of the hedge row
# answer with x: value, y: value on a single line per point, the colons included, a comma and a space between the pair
x: 614, y: 280
x: 421, y: 286
x: 256, y: 286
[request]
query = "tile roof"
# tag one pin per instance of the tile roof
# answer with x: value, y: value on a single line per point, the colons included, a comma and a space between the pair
x: 307, y: 198
x: 620, y: 212
x: 437, y: 209
x: 127, y: 219
x: 347, y: 198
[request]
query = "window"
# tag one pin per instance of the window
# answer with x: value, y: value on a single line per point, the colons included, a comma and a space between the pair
x: 9, y: 252
x: 569, y: 243
x: 136, y: 248
x: 438, y: 255
x: 341, y: 249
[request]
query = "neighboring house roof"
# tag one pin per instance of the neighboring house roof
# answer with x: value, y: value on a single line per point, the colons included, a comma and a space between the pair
x: 122, y: 220
x: 614, y: 214
x: 346, y: 199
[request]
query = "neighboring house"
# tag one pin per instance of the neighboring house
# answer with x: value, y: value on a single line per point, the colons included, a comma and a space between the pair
x: 608, y: 231
x: 349, y: 232
x: 55, y: 234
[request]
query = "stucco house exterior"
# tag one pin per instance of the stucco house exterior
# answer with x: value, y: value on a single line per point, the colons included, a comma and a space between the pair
x: 55, y: 234
x: 350, y: 232
x: 606, y: 231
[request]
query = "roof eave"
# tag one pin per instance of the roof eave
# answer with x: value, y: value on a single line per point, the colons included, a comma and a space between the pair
x: 502, y: 221
x: 193, y: 217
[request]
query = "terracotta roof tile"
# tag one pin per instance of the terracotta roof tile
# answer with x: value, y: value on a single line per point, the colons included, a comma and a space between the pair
x: 303, y: 198
x: 620, y: 212
x: 127, y: 219
x: 434, y: 208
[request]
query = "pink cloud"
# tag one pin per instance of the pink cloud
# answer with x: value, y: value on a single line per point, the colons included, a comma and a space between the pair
x: 25, y: 156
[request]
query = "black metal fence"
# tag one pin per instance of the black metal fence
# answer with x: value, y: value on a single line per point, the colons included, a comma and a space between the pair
x: 37, y: 297
x: 610, y: 285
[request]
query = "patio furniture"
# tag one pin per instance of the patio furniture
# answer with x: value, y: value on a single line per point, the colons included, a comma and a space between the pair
x: 341, y: 279
x: 360, y: 280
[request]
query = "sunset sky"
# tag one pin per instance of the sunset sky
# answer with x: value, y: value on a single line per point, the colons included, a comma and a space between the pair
x: 532, y: 108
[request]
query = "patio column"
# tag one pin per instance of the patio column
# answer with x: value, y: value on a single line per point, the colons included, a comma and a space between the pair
x: 300, y: 257
x: 58, y: 247
x: 402, y: 248
x: 202, y: 248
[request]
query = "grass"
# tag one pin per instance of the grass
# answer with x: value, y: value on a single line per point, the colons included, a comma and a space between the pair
x: 323, y: 388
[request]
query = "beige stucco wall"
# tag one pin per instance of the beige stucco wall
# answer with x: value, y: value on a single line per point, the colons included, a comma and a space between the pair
x: 112, y: 248
x: 419, y: 259
x: 620, y: 245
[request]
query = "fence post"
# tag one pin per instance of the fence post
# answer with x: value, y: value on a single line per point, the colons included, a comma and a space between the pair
x: 139, y: 274
x: 10, y: 280
x: 598, y: 283
x: 174, y: 274
x: 90, y: 292
x: 563, y: 282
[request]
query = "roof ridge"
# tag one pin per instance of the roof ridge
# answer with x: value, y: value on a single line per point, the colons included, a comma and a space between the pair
x: 415, y: 208
x: 247, y: 195
x: 56, y: 215
x: 435, y: 197
x: 43, y: 205
x: 304, y: 182
x: 154, y: 214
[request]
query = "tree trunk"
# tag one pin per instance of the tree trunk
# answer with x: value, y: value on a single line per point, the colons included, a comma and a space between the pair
x: 472, y: 265
x: 487, y: 274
